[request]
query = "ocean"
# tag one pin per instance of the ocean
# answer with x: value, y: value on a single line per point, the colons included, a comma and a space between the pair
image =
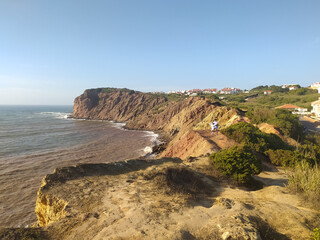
x: 34, y: 140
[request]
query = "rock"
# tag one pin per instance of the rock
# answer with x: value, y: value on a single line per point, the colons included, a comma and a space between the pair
x: 224, y: 202
x: 49, y: 208
x: 239, y: 227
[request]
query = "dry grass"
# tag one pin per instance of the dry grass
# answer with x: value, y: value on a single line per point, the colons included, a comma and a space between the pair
x: 23, y: 234
x: 266, y: 231
x: 305, y: 179
x: 180, y: 180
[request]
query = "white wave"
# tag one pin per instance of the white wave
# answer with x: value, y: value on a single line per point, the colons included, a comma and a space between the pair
x: 59, y: 115
x: 154, y: 137
x: 118, y: 125
x: 147, y: 150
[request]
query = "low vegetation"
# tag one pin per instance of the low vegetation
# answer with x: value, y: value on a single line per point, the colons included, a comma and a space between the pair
x: 247, y: 134
x: 178, y: 180
x: 238, y: 162
x: 286, y: 158
x: 316, y: 234
x: 279, y: 96
x: 284, y: 120
x: 305, y: 178
x: 107, y: 90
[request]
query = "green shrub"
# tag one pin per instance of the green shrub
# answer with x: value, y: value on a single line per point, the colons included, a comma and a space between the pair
x: 237, y: 162
x: 316, y: 234
x: 310, y: 152
x: 260, y: 115
x: 281, y: 157
x: 248, y: 134
x: 288, y: 123
x: 282, y: 119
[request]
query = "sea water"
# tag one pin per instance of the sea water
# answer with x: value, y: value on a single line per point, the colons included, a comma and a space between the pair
x: 34, y: 140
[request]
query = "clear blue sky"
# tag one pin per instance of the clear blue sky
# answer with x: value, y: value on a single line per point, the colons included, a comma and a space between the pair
x: 51, y: 51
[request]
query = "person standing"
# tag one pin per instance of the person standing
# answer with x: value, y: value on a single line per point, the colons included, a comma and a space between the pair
x: 214, y: 126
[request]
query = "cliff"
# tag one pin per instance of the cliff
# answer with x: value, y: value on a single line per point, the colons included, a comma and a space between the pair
x: 178, y: 120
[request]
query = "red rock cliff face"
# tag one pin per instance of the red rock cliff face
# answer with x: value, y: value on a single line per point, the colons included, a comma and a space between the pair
x: 116, y: 105
x: 150, y: 112
x: 141, y: 111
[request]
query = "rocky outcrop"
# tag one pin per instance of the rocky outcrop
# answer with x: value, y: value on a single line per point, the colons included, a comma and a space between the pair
x: 49, y: 209
x: 118, y: 105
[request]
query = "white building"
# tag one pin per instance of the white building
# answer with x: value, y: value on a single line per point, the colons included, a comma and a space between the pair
x: 315, y: 85
x: 316, y: 108
x: 229, y: 90
x: 293, y: 88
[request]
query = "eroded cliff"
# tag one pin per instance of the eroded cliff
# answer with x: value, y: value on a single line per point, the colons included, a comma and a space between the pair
x: 180, y: 120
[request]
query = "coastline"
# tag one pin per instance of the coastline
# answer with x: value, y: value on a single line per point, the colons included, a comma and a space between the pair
x: 158, y: 138
x: 27, y: 171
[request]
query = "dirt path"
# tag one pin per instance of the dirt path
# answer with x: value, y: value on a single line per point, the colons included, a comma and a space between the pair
x: 310, y: 124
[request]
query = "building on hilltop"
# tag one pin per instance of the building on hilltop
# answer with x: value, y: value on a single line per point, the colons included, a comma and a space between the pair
x: 229, y: 90
x: 293, y: 108
x: 267, y: 92
x: 315, y: 85
x: 178, y: 92
x: 210, y: 90
x: 316, y: 107
x: 291, y: 86
x: 197, y: 91
x: 294, y: 87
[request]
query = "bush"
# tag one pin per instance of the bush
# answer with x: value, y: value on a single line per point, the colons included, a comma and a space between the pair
x: 178, y: 180
x: 282, y: 157
x: 288, y: 124
x: 248, y: 134
x: 237, y: 162
x: 260, y: 115
x: 282, y: 119
x: 316, y: 234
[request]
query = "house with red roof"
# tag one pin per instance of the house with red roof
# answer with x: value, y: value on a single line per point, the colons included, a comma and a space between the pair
x: 210, y: 90
x: 229, y: 90
x: 293, y: 108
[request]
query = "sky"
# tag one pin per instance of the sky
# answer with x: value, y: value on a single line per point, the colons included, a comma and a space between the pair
x: 51, y: 51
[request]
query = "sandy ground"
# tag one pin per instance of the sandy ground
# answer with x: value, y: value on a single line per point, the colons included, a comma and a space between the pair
x: 131, y: 205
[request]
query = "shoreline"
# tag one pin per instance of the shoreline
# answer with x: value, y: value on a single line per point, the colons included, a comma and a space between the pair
x: 159, y: 143
x: 31, y: 168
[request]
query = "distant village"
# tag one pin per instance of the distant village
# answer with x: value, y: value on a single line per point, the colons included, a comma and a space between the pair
x: 229, y: 90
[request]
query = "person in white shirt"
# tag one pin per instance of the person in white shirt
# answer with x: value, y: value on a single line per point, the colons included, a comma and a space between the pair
x: 214, y: 126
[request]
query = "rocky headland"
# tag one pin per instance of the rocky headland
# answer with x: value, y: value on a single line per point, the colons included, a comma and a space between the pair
x: 183, y: 123
x: 179, y: 195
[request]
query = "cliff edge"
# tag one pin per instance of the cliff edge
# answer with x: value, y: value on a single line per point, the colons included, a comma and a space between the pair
x: 166, y: 199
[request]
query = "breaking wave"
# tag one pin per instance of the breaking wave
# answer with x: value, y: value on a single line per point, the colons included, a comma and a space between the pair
x: 58, y: 115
